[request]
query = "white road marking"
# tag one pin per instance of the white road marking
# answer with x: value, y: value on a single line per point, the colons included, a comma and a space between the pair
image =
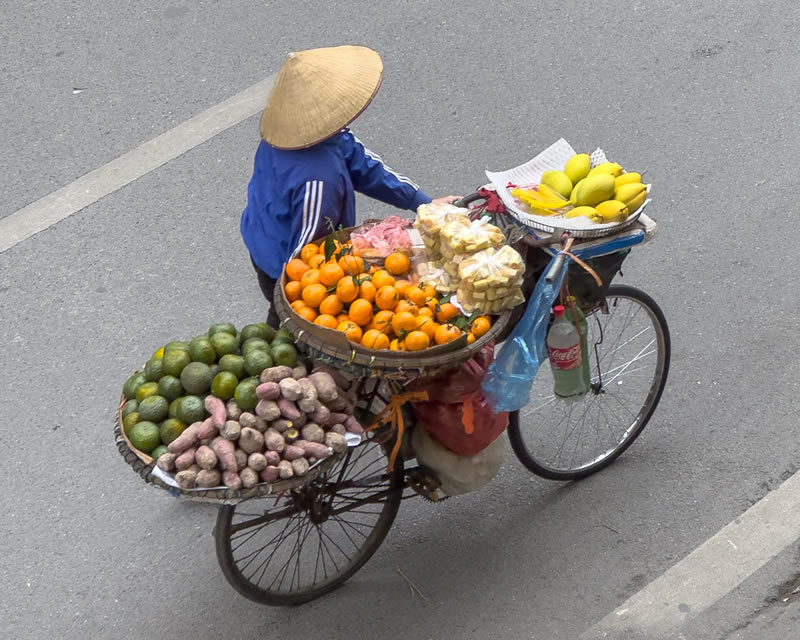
x: 711, y: 571
x: 96, y: 184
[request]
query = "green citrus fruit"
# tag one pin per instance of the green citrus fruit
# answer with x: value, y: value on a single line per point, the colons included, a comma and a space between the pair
x: 153, y: 408
x: 174, y: 361
x: 224, y: 385
x: 159, y: 451
x: 132, y: 384
x: 224, y: 343
x: 130, y: 407
x: 200, y: 350
x: 284, y: 353
x: 254, y: 343
x: 153, y: 370
x: 256, y: 361
x: 190, y: 409
x: 170, y: 429
x: 130, y: 420
x: 282, y: 335
x: 245, y: 394
x: 255, y: 331
x: 144, y: 436
x: 173, y: 407
x: 179, y: 345
x: 146, y: 390
x: 233, y: 363
x: 222, y: 327
x: 196, y: 378
x: 170, y: 388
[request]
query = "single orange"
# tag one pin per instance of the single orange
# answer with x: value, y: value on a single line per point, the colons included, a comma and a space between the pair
x: 335, y: 242
x: 397, y: 345
x: 425, y: 311
x: 298, y: 304
x: 360, y: 312
x: 295, y: 269
x: 401, y: 286
x: 308, y: 252
x: 330, y: 274
x: 331, y: 305
x: 326, y: 320
x: 351, y: 330
x: 447, y: 333
x: 480, y: 326
x: 416, y: 295
x: 382, y: 278
x: 316, y: 261
x: 367, y: 290
x: 372, y: 269
x: 430, y: 291
x: 308, y: 313
x: 447, y: 311
x: 310, y: 277
x: 471, y: 338
x: 433, y: 305
x: 427, y: 326
x: 405, y: 305
x: 403, y: 322
x: 342, y: 317
x: 387, y: 298
x: 314, y: 294
x: 417, y: 341
x: 383, y: 321
x: 397, y: 263
x: 374, y: 339
x: 293, y: 290
x: 350, y: 264
x: 346, y: 289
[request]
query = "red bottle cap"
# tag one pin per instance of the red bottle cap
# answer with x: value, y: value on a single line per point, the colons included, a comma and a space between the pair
x: 559, y: 310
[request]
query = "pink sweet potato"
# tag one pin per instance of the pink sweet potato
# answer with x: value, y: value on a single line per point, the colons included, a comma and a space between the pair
x: 186, y: 439
x: 313, y: 449
x: 270, y: 474
x: 292, y: 453
x: 288, y: 409
x: 208, y: 430
x: 231, y: 480
x: 268, y: 391
x: 272, y: 457
x: 217, y: 409
x: 185, y: 459
x: 321, y: 415
x: 353, y: 425
x: 224, y: 450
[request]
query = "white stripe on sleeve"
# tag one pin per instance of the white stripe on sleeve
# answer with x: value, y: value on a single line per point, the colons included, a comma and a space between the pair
x: 377, y: 158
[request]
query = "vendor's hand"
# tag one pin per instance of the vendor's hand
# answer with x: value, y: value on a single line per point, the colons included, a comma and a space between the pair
x: 446, y: 200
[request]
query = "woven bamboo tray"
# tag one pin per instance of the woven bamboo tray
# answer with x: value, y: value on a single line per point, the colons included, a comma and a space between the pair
x: 144, y: 465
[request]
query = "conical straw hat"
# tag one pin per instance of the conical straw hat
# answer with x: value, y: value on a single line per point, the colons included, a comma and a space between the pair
x: 318, y: 92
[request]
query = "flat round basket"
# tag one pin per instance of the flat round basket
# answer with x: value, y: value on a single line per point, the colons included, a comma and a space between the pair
x: 145, y: 466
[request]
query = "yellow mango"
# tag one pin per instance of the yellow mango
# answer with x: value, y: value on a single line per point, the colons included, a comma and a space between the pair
x: 578, y: 167
x: 593, y: 190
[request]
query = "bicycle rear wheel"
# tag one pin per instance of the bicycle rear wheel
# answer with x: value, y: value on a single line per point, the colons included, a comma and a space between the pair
x: 301, y: 544
x: 629, y: 348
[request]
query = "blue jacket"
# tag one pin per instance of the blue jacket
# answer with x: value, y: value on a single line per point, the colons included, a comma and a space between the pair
x: 293, y: 195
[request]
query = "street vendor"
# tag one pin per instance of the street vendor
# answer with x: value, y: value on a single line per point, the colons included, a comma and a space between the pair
x: 308, y: 163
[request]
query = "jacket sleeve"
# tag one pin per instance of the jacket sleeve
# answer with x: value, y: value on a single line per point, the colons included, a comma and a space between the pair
x: 373, y: 178
x: 316, y: 205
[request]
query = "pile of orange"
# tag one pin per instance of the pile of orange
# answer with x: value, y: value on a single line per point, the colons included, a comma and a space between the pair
x: 377, y: 308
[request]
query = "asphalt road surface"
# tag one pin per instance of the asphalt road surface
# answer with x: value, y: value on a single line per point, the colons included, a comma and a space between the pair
x: 701, y: 95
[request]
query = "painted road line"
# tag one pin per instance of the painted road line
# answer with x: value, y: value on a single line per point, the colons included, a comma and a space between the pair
x: 87, y: 189
x: 711, y: 571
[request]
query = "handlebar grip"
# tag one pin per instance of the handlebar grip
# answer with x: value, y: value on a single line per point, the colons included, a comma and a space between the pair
x: 466, y: 200
x: 552, y: 272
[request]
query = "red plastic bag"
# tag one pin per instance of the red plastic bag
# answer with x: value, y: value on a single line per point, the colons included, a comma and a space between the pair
x: 460, y: 419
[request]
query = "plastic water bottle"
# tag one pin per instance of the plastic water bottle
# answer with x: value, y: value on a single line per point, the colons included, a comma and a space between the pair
x: 576, y: 315
x: 565, y: 352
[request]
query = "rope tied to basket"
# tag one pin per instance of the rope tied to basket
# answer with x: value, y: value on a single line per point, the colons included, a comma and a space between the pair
x: 392, y: 413
x: 566, y: 251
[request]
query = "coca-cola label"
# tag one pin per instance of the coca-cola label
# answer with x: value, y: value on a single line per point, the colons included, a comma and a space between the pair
x: 569, y: 358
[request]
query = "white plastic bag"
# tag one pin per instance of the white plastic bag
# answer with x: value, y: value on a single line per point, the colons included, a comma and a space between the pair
x: 458, y: 474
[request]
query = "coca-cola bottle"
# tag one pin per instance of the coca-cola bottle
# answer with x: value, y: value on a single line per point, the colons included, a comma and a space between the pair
x: 565, y: 352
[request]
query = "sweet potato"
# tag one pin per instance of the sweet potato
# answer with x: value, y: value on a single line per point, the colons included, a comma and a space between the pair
x: 325, y: 385
x: 208, y: 430
x: 313, y: 449
x: 251, y: 440
x: 217, y: 409
x: 313, y: 433
x: 257, y: 461
x: 340, y: 403
x: 166, y: 462
x: 273, y: 458
x: 336, y: 375
x: 247, y: 419
x: 270, y: 474
x: 288, y: 409
x: 299, y: 371
x: 290, y: 389
x: 338, y: 418
x: 231, y: 480
x: 336, y: 441
x: 338, y: 428
x: 285, y: 469
x: 208, y: 478
x: 275, y: 374
x: 300, y: 466
x: 353, y: 426
x: 249, y: 477
x: 321, y: 414
x: 281, y: 424
x: 233, y: 409
x: 224, y: 450
x: 186, y: 478
x: 206, y: 458
x: 261, y: 424
x: 274, y: 440
x: 268, y: 391
x: 186, y: 439
x: 268, y: 409
x: 230, y: 430
x: 185, y: 459
x: 291, y: 452
x: 308, y: 401
x: 241, y: 458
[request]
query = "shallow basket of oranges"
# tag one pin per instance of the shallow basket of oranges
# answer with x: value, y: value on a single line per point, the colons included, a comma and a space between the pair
x: 374, y: 314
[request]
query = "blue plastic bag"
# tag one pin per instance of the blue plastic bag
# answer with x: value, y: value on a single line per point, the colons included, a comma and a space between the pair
x: 508, y: 382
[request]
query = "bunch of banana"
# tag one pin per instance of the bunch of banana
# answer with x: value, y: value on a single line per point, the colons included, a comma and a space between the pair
x: 602, y: 194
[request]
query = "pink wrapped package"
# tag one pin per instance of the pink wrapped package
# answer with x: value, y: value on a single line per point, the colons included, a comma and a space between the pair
x: 379, y: 239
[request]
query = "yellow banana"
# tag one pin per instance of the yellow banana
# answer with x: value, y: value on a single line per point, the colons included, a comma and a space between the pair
x: 549, y: 194
x: 543, y: 207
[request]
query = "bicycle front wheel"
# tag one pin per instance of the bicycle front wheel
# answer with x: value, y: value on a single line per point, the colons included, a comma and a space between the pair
x: 629, y: 349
